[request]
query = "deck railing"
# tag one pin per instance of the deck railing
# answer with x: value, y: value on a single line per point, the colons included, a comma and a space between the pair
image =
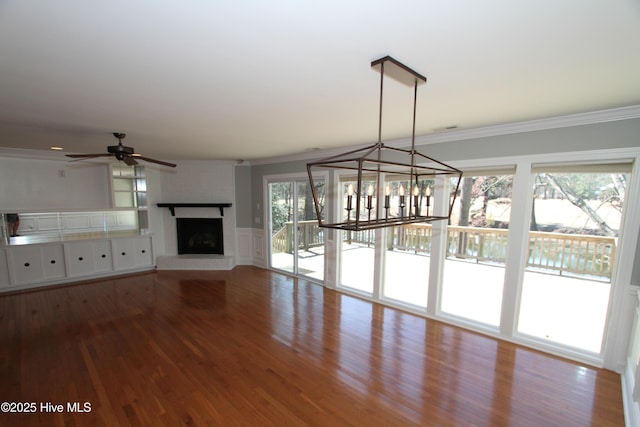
x: 310, y: 236
x: 563, y: 253
x: 572, y: 253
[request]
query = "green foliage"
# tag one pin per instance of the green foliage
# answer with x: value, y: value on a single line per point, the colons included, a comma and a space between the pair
x: 280, y: 205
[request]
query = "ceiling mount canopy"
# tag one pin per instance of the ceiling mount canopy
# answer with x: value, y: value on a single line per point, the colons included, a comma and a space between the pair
x: 384, y: 186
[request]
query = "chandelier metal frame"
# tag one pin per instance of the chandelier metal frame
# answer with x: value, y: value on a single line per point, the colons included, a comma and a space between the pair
x: 378, y: 164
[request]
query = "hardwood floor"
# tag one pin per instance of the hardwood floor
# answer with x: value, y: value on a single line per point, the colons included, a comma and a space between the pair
x: 253, y: 347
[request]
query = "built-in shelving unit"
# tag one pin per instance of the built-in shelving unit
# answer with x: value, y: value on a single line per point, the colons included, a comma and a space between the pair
x: 60, y: 247
x: 129, y: 186
x: 129, y: 190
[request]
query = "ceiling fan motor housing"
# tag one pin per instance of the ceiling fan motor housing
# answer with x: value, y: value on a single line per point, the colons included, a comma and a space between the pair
x: 120, y: 151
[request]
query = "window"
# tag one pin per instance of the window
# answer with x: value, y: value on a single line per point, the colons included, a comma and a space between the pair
x: 357, y: 248
x: 574, y: 226
x: 477, y: 244
x: 408, y: 249
x: 529, y: 253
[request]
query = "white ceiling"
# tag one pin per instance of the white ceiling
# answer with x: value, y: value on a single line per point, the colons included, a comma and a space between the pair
x: 197, y: 79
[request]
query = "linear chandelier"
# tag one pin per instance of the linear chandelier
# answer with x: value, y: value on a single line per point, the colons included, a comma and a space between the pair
x: 384, y: 186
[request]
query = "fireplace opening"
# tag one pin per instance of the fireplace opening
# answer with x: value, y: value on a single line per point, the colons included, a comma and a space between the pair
x: 200, y: 236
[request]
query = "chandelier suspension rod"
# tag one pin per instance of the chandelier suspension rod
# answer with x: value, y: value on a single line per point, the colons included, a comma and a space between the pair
x: 413, y: 133
x: 379, y: 154
x: 380, y: 111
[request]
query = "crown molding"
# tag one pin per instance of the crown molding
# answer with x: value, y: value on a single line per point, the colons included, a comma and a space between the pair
x: 593, y: 117
x: 580, y: 119
x: 309, y: 155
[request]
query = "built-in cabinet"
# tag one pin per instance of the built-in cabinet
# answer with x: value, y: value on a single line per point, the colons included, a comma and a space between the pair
x: 36, y: 263
x: 88, y: 258
x: 131, y: 253
x: 52, y: 263
x: 58, y: 247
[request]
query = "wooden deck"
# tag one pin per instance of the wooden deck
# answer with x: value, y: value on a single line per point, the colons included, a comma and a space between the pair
x: 253, y: 347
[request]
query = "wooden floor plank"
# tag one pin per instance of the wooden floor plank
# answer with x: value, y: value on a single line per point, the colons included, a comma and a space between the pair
x: 253, y: 347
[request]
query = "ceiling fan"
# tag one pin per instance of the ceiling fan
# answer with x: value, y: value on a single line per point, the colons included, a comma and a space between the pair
x: 121, y: 152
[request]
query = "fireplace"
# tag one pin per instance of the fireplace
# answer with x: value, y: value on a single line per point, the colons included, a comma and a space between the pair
x: 200, y: 236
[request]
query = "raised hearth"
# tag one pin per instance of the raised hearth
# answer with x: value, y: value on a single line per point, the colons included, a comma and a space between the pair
x: 195, y: 262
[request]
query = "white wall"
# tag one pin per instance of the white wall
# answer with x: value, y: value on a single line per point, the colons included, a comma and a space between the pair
x: 37, y: 185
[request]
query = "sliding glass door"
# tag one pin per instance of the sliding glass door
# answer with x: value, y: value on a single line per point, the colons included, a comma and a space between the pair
x: 296, y: 241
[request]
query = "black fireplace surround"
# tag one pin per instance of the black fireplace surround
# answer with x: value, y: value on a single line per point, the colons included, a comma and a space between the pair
x: 200, y: 236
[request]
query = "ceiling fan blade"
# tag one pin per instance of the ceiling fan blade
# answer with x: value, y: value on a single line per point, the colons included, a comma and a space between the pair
x: 130, y: 161
x: 160, y: 162
x: 120, y: 152
x: 87, y: 156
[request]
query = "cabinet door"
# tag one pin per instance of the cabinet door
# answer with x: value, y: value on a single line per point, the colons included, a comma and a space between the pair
x: 80, y: 258
x: 143, y: 255
x: 26, y: 264
x: 102, y: 256
x: 130, y: 253
x: 37, y: 263
x: 123, y: 254
x: 4, y: 269
x: 53, y: 262
x: 89, y: 257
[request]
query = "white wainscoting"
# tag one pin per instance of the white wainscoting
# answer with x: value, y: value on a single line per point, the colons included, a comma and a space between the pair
x: 251, y: 247
x: 259, y: 248
x: 244, y: 246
